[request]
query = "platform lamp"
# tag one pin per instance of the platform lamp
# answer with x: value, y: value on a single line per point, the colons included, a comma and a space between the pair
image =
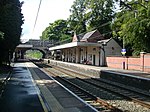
x: 123, y: 52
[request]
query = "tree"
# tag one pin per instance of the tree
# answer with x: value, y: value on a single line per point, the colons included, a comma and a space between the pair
x: 77, y: 20
x: 92, y: 14
x: 85, y: 15
x: 1, y: 35
x: 100, y: 15
x: 133, y: 26
x: 56, y: 31
x: 11, y: 20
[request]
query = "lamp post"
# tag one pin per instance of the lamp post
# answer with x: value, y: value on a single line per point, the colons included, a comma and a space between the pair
x: 123, y: 51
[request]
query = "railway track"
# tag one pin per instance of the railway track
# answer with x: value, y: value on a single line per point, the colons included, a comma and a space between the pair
x: 115, y: 97
x: 96, y: 102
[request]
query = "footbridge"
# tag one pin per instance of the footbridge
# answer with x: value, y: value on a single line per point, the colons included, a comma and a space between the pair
x: 40, y: 45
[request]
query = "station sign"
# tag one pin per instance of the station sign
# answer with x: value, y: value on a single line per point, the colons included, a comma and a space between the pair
x: 123, y: 51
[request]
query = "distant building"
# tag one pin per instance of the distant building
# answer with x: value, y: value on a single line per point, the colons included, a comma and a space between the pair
x: 90, y: 48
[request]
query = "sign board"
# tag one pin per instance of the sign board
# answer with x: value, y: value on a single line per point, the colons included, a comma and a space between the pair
x: 123, y: 51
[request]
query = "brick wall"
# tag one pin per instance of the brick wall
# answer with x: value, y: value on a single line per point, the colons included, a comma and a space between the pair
x: 133, y: 63
x: 141, y: 63
x: 115, y: 62
x: 146, y: 62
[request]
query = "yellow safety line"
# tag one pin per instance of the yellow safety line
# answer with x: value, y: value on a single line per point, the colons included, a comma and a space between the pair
x: 42, y: 102
x: 39, y: 96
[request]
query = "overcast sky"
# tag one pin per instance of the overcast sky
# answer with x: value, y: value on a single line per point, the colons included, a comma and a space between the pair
x: 50, y: 11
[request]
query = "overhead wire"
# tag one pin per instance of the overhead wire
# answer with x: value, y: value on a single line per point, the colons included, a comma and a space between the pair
x: 37, y: 15
x: 103, y: 34
x: 109, y: 22
x: 102, y: 25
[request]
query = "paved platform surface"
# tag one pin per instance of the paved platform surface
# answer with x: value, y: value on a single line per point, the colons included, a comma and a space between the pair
x: 32, y: 90
x: 20, y: 94
x: 57, y: 97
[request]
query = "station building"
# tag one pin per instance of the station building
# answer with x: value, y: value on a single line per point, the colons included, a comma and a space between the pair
x: 90, y: 48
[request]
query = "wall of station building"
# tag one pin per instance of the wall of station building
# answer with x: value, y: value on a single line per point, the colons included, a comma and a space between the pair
x: 113, y: 49
x: 86, y: 55
x: 91, y: 55
x: 94, y: 54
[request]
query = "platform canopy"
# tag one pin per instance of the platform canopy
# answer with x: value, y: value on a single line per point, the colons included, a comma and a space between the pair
x: 73, y: 44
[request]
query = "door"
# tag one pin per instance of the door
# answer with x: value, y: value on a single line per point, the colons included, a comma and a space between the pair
x: 93, y: 59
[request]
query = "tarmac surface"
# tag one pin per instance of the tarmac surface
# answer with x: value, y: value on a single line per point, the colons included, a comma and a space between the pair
x: 20, y: 94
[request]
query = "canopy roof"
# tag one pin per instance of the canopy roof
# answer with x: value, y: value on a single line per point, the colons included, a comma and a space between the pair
x: 73, y: 44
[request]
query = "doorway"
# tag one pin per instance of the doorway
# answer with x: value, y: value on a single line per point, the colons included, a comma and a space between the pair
x: 93, y: 59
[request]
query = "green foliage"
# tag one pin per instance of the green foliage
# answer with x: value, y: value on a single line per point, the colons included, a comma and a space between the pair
x: 91, y: 14
x: 133, y: 27
x: 64, y: 37
x: 77, y: 20
x: 56, y: 31
x: 34, y: 54
x: 101, y: 13
x: 86, y: 15
x: 1, y: 35
x: 10, y: 25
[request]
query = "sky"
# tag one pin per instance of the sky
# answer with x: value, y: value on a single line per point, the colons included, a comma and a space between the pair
x: 50, y: 11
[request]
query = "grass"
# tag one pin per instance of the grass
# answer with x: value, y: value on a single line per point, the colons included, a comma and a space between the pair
x: 34, y: 54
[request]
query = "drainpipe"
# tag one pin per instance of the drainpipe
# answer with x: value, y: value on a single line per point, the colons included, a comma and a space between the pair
x: 86, y: 54
x: 104, y: 56
x: 99, y: 57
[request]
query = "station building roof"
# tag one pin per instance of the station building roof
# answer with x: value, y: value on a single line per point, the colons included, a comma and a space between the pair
x: 92, y: 36
x: 104, y: 41
x: 88, y: 39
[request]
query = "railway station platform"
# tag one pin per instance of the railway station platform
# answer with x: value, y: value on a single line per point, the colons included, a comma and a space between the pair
x: 30, y: 89
x: 20, y: 93
x: 137, y: 79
